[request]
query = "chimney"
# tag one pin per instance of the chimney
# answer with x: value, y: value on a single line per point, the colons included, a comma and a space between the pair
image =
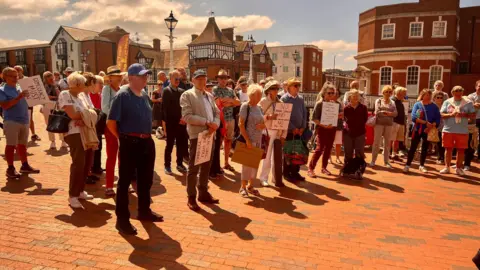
x: 194, y: 36
x: 238, y: 38
x: 228, y: 33
x: 156, y: 44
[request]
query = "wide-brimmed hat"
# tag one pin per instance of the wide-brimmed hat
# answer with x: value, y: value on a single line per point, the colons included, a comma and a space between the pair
x: 113, y: 71
x: 222, y: 74
x: 68, y: 69
x: 293, y: 81
x: 269, y: 85
x: 243, y: 80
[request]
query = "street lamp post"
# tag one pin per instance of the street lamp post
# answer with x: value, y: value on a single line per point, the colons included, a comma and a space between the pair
x: 334, y: 76
x: 295, y: 55
x: 251, y: 43
x: 171, y: 23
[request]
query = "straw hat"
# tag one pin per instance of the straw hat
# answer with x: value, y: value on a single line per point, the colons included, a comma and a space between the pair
x: 293, y: 81
x: 113, y: 71
x: 269, y: 85
x: 222, y: 74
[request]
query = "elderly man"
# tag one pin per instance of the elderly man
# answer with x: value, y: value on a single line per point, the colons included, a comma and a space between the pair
x: 15, y: 114
x: 184, y: 83
x: 63, y: 83
x: 176, y: 127
x: 130, y: 120
x: 161, y: 76
x: 438, y: 87
x: 228, y: 102
x: 297, y: 125
x: 200, y: 113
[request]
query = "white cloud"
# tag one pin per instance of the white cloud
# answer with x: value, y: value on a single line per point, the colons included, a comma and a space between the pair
x: 350, y: 58
x: 14, y: 43
x: 66, y: 16
x: 274, y: 43
x: 147, y: 18
x: 335, y: 45
x: 29, y: 9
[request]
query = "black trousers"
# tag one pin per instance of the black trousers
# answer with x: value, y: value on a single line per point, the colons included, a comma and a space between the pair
x: 137, y: 159
x: 215, y: 167
x: 176, y: 135
x: 277, y: 162
x: 290, y: 170
x: 469, y: 152
x: 440, y: 149
x: 413, y: 148
x: 97, y: 157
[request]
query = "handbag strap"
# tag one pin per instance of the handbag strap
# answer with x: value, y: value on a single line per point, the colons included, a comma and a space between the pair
x: 425, y: 111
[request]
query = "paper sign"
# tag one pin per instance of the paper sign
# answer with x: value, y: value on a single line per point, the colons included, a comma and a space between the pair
x: 248, y: 157
x: 204, y: 147
x: 283, y: 111
x: 330, y: 114
x: 406, y: 105
x: 35, y: 89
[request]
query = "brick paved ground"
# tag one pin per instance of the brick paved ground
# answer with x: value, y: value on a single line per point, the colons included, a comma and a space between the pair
x: 389, y: 221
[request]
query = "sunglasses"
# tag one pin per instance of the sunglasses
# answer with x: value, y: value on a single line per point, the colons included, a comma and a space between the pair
x: 388, y: 92
x: 331, y: 93
x: 296, y: 85
x: 273, y: 88
x: 439, y: 97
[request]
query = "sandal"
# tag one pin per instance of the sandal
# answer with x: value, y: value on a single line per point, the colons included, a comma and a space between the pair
x: 243, y: 192
x: 229, y: 168
x: 253, y: 191
x: 326, y: 172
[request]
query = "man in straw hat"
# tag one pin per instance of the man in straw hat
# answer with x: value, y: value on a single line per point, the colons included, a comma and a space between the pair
x: 297, y: 125
x: 228, y: 101
x: 200, y: 113
x: 63, y: 83
x: 130, y: 120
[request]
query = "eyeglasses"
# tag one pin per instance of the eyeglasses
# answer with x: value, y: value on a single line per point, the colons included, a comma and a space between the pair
x: 388, y: 92
x: 331, y: 93
x: 438, y: 97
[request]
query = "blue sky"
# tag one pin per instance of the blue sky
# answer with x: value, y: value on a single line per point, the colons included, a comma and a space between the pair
x: 331, y: 25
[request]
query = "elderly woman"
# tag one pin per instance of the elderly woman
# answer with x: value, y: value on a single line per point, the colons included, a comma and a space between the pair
x: 399, y: 122
x: 325, y: 134
x: 338, y: 141
x: 456, y: 112
x: 251, y: 125
x: 385, y: 111
x: 73, y: 101
x: 157, y: 105
x: 425, y: 116
x: 438, y: 87
x: 277, y: 137
x: 52, y: 91
x: 438, y: 99
x: 355, y: 116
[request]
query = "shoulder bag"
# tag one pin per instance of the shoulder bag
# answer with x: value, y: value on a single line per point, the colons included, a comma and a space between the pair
x: 432, y: 135
x: 58, y: 120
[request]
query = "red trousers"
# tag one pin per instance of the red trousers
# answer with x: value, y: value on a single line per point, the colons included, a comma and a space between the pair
x: 112, y: 154
x: 325, y: 138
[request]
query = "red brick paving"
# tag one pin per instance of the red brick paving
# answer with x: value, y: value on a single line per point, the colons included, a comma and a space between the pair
x: 389, y: 221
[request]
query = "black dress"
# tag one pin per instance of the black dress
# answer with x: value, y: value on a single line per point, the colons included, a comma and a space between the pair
x: 157, y: 108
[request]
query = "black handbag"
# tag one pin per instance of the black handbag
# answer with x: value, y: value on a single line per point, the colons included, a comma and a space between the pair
x: 101, y: 121
x: 240, y: 137
x: 58, y: 121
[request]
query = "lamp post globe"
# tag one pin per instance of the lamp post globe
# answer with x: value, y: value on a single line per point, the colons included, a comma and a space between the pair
x: 171, y: 23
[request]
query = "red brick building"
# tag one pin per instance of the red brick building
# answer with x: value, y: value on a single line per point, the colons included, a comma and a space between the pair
x: 35, y: 59
x: 216, y: 49
x: 415, y: 44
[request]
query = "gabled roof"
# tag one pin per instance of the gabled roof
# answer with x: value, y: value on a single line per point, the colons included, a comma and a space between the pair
x: 211, y: 34
x: 24, y: 47
x: 75, y: 33
x: 145, y: 46
x: 97, y: 38
x: 180, y: 58
x: 155, y: 55
x: 241, y: 46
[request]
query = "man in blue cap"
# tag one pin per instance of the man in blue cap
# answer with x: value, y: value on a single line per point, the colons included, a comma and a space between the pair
x: 200, y: 113
x: 130, y: 120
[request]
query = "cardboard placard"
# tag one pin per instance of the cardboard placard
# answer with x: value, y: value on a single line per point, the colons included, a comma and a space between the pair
x: 284, y: 112
x: 330, y: 114
x: 37, y: 95
x: 204, y: 147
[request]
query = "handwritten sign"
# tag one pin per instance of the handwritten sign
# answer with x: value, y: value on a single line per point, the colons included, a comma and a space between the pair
x: 35, y: 89
x: 283, y: 111
x: 204, y: 147
x: 329, y: 114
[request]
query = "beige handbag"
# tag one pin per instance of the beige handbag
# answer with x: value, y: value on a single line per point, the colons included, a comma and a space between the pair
x: 433, y: 135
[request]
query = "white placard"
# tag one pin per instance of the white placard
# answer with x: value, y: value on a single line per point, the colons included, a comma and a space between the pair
x: 35, y: 89
x: 406, y: 106
x: 330, y: 114
x: 204, y: 147
x: 283, y: 112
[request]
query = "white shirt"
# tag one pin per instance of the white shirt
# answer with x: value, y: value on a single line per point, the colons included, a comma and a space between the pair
x: 79, y: 104
x: 208, y: 108
x: 243, y: 97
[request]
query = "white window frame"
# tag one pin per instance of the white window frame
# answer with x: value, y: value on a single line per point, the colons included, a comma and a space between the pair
x: 314, y: 57
x: 262, y: 58
x: 286, y: 54
x: 274, y: 56
x: 380, y: 77
x: 261, y: 76
x: 410, y: 30
x: 274, y: 69
x: 432, y: 82
x: 444, y: 30
x: 418, y: 79
x: 246, y: 56
x: 313, y: 71
x: 285, y: 69
x: 383, y: 30
x: 313, y: 85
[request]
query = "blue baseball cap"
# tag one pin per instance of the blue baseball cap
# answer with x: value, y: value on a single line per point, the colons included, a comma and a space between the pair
x: 138, y: 70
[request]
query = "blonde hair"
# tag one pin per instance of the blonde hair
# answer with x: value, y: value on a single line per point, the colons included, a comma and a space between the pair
x: 101, y: 74
x: 99, y: 79
x: 400, y: 89
x: 7, y: 70
x: 327, y: 85
x: 458, y: 87
x: 386, y: 88
x: 439, y: 82
x: 253, y: 89
x: 76, y: 80
x: 47, y: 74
x: 353, y: 83
x: 423, y: 93
x: 170, y: 75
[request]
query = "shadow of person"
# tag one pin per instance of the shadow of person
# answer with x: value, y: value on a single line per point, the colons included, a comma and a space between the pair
x: 157, y: 187
x: 369, y: 184
x: 93, y: 216
x: 276, y: 205
x: 57, y: 152
x: 321, y: 190
x: 224, y: 221
x: 226, y: 184
x: 159, y: 251
x: 22, y: 185
x: 300, y: 195
x: 467, y: 179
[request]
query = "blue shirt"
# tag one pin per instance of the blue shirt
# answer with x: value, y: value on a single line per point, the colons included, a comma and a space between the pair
x: 107, y: 97
x: 431, y: 111
x: 450, y: 124
x: 132, y: 113
x: 17, y: 113
x: 298, y: 118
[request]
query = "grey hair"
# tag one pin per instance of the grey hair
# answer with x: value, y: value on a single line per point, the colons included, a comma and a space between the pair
x: 18, y: 67
x: 170, y: 75
x: 6, y: 70
x: 400, y: 89
x: 76, y: 80
x: 160, y: 73
x: 253, y: 89
x: 99, y: 79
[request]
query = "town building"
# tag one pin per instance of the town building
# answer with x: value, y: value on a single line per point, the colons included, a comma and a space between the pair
x: 216, y: 49
x: 301, y: 61
x: 340, y: 78
x: 416, y: 44
x: 34, y: 59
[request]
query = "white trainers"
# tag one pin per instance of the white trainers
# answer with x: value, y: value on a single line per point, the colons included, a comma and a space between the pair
x: 53, y: 145
x: 64, y: 144
x: 460, y: 172
x: 406, y: 169
x: 388, y: 165
x: 85, y: 196
x: 264, y: 183
x: 74, y: 202
x: 423, y: 169
x: 445, y: 171
x: 454, y: 166
x: 466, y: 168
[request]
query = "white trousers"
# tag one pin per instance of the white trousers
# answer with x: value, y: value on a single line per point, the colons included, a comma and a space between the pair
x: 46, y: 112
x: 268, y: 161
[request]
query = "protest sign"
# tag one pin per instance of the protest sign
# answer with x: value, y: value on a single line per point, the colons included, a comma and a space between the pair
x: 283, y: 112
x: 329, y: 114
x: 204, y: 147
x: 35, y: 89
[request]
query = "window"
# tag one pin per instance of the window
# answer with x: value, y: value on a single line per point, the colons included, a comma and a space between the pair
x: 314, y: 57
x: 40, y: 68
x: 416, y: 30
x: 285, y: 68
x: 72, y: 66
x: 261, y: 76
x: 439, y: 29
x: 458, y: 29
x: 436, y: 74
x: 285, y: 55
x: 245, y: 73
x: 274, y: 56
x: 71, y: 47
x: 262, y: 58
x: 463, y: 67
x: 274, y: 70
x: 313, y: 71
x: 412, y: 80
x: 39, y: 55
x: 61, y: 47
x: 20, y: 56
x: 388, y: 31
x: 246, y: 56
x: 313, y: 85
x: 385, y: 77
x: 3, y: 57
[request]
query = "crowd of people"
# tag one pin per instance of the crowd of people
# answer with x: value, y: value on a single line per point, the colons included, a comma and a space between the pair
x: 116, y: 106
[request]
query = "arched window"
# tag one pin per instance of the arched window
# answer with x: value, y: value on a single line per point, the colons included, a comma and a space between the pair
x: 413, y: 78
x: 61, y: 47
x: 436, y: 74
x: 385, y: 77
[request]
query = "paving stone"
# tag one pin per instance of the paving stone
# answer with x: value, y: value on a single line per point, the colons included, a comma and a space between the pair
x: 393, y: 239
x: 457, y: 222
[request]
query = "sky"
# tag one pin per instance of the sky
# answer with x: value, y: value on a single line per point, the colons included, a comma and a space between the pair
x: 332, y: 25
